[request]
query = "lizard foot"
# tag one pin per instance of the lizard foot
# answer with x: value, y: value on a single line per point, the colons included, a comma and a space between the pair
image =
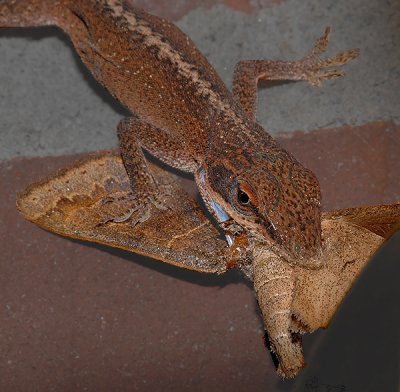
x: 316, y: 69
x: 132, y: 207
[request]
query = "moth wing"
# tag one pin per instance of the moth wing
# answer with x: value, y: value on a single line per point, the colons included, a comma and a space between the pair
x: 382, y: 220
x: 351, y: 237
x: 71, y: 202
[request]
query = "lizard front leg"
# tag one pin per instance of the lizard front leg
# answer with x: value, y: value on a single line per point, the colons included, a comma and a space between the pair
x: 274, y: 284
x: 135, y: 134
x: 311, y: 68
x: 145, y: 191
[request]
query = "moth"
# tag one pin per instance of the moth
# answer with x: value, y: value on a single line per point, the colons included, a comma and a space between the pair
x: 79, y: 202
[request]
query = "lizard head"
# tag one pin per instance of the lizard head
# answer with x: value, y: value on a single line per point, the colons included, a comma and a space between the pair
x: 267, y: 194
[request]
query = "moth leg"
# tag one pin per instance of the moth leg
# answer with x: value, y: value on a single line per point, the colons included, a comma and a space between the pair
x: 310, y: 68
x: 274, y: 284
x: 145, y: 192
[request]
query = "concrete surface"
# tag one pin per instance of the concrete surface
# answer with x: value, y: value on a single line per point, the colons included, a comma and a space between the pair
x: 82, y: 317
x: 50, y: 104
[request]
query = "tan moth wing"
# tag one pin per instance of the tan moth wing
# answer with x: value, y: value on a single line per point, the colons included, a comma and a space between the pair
x: 351, y: 237
x: 73, y: 203
x: 382, y: 220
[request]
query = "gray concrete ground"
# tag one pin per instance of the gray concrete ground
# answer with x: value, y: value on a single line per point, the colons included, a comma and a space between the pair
x: 50, y: 105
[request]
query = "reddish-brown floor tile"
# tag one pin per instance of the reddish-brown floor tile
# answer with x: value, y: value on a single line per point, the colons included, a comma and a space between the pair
x: 84, y: 317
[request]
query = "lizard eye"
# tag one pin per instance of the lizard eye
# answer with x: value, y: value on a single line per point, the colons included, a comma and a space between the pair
x: 243, y: 197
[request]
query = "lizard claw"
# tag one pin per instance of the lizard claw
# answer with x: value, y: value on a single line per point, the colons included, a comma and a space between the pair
x: 317, y: 77
x: 137, y: 209
x: 316, y: 69
x: 321, y: 43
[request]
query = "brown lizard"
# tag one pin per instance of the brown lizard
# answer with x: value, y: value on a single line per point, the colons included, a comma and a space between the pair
x: 183, y: 114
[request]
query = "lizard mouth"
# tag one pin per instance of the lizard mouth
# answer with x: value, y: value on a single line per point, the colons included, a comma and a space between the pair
x: 220, y: 214
x: 222, y: 217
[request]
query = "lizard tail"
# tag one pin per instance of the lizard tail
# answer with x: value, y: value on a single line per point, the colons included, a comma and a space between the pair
x: 31, y: 13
